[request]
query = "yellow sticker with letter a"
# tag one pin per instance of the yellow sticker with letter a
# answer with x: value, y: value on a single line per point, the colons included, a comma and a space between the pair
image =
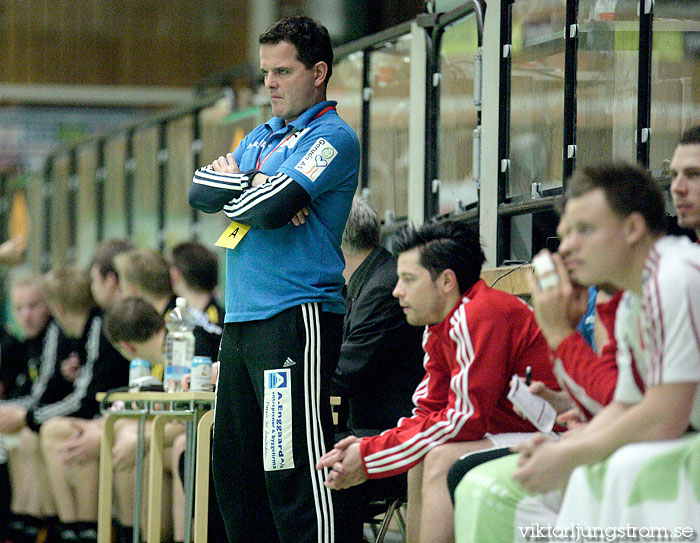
x: 233, y: 235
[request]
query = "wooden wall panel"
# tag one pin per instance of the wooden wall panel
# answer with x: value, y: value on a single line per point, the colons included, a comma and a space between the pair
x: 86, y: 231
x: 120, y: 42
x: 60, y: 233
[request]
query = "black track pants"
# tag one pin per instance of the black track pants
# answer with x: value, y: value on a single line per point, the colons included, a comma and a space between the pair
x: 273, y: 401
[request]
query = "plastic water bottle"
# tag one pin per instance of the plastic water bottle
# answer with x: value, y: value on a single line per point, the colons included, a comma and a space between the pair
x: 179, y: 346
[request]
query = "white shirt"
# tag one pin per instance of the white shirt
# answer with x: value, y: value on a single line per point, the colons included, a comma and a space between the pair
x: 659, y: 333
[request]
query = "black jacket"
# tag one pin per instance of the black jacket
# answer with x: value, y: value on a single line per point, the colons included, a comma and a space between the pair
x: 381, y: 358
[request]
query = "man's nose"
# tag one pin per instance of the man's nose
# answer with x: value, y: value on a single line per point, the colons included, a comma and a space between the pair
x: 564, y: 245
x: 678, y: 184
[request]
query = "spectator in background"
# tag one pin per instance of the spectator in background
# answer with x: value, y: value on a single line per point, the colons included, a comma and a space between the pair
x: 72, y: 446
x: 136, y: 330
x: 194, y: 273
x: 104, y: 279
x: 104, y: 285
x: 81, y: 436
x: 67, y: 293
x: 145, y: 273
x: 26, y: 366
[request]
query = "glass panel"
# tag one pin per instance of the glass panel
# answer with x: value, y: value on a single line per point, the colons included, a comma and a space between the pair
x: 114, y: 214
x: 59, y: 217
x: 145, y: 190
x: 178, y: 212
x: 345, y: 87
x: 457, y: 115
x: 389, y: 113
x: 87, y: 204
x: 537, y: 96
x: 608, y: 60
x: 675, y: 91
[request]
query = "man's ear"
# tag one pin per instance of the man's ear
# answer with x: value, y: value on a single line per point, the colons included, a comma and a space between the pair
x: 126, y: 347
x: 447, y: 281
x: 175, y: 275
x: 633, y: 228
x: 127, y: 288
x: 112, y: 278
x: 320, y: 73
x: 57, y: 309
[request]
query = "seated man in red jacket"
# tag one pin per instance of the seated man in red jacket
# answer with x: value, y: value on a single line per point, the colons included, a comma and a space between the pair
x: 476, y: 339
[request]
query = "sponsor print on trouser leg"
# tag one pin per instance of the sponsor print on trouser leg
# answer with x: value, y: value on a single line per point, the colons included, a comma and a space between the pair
x: 297, y: 416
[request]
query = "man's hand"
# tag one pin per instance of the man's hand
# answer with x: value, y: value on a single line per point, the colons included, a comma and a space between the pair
x: 300, y: 218
x: 84, y: 444
x: 572, y: 419
x: 12, y: 419
x: 225, y: 164
x: 12, y: 251
x: 559, y: 399
x: 345, y: 464
x: 528, y: 447
x: 543, y: 465
x: 185, y: 382
x: 70, y: 367
x: 559, y: 309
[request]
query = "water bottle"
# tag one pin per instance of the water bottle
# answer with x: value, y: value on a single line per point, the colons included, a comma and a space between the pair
x: 179, y: 345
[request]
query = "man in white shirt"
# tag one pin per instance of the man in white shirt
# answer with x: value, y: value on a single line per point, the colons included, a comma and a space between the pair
x: 615, y: 219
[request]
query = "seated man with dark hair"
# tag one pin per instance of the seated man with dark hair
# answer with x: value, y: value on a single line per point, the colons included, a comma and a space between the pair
x: 136, y: 330
x: 476, y: 339
x: 194, y: 274
x: 104, y: 279
x: 145, y: 273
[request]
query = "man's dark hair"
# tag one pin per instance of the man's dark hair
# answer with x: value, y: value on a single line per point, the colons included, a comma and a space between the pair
x: 449, y: 245
x: 132, y: 319
x: 628, y: 189
x: 105, y: 252
x: 310, y: 38
x: 691, y: 136
x: 363, y: 229
x: 198, y: 265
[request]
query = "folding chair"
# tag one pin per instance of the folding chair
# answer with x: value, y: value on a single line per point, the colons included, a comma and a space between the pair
x: 380, y: 514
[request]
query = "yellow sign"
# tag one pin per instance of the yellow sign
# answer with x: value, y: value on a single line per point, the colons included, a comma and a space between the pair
x: 233, y: 235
